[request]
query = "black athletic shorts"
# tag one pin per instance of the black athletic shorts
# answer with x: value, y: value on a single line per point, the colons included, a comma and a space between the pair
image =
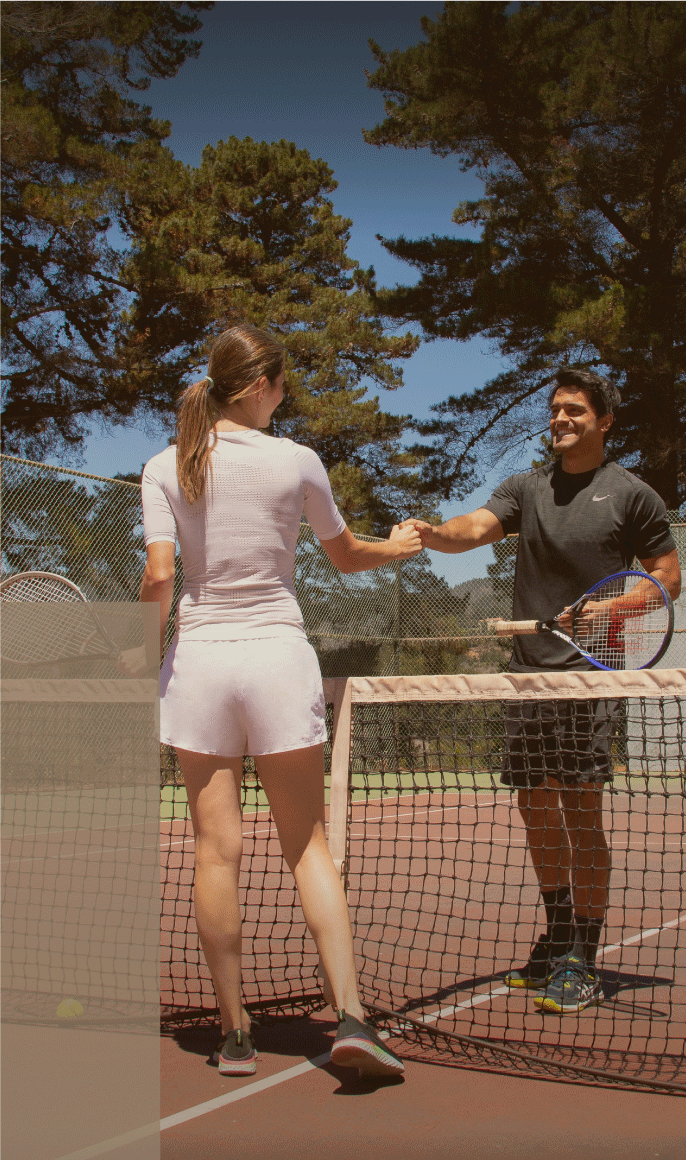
x: 567, y: 740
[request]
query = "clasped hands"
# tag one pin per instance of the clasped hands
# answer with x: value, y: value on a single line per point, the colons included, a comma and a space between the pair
x: 423, y: 530
x: 412, y: 535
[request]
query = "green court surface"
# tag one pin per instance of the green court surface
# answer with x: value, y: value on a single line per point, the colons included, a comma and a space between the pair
x: 401, y: 783
x: 174, y: 803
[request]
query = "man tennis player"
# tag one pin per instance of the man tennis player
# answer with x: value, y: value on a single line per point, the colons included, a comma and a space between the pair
x: 579, y: 520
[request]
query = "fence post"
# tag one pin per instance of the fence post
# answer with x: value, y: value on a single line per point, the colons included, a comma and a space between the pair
x: 396, y: 617
x: 339, y: 690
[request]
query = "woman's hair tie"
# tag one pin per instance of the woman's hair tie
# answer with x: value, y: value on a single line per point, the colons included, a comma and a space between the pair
x: 210, y: 381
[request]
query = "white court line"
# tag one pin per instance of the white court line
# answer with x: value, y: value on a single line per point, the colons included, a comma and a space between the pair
x: 249, y: 1090
x: 91, y: 851
x: 388, y: 816
x: 170, y: 845
x: 242, y: 1093
x: 193, y: 1113
x: 484, y: 998
x: 7, y: 862
x: 631, y: 849
x: 425, y: 811
x: 367, y: 821
x: 473, y: 1002
x: 162, y: 845
x: 202, y: 1109
x: 640, y: 936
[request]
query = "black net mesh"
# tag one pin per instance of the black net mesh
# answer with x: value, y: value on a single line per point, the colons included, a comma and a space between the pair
x: 444, y: 897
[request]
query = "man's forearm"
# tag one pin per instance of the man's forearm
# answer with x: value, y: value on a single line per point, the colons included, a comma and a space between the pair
x: 452, y: 536
x: 462, y: 533
x: 666, y: 569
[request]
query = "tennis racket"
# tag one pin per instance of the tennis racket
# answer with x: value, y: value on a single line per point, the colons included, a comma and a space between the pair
x: 623, y: 622
x: 71, y: 631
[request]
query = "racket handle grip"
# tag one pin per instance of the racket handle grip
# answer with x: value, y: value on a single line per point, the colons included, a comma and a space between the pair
x: 510, y: 627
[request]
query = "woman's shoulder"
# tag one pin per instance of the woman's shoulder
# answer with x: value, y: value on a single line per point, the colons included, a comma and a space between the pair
x: 287, y: 446
x: 161, y: 464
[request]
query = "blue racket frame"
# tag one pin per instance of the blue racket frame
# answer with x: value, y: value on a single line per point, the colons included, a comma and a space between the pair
x: 548, y: 626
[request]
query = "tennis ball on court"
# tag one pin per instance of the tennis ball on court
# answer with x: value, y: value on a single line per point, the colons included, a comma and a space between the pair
x: 69, y: 1009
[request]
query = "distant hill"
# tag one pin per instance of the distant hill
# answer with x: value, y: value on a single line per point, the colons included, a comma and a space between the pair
x: 483, y: 601
x: 479, y: 589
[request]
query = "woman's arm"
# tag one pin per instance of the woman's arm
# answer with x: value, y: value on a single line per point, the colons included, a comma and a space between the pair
x: 158, y: 581
x: 349, y: 554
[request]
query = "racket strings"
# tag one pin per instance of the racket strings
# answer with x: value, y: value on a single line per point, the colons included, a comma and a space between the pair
x: 624, y: 622
x: 60, y: 628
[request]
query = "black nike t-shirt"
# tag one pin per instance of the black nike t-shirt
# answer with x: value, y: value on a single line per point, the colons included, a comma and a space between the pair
x: 574, y: 530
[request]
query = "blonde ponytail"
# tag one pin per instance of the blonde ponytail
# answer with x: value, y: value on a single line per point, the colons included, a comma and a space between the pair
x: 196, y: 418
x: 239, y: 357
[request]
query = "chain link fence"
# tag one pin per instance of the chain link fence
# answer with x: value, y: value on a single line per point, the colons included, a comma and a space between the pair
x: 397, y: 619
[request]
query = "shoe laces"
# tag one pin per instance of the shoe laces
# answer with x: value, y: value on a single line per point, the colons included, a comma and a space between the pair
x: 566, y: 966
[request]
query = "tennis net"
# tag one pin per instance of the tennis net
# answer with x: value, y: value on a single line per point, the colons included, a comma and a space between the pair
x: 443, y: 895
x: 80, y: 863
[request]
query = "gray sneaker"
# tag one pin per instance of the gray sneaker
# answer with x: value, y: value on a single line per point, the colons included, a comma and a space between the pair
x: 358, y: 1045
x: 236, y: 1054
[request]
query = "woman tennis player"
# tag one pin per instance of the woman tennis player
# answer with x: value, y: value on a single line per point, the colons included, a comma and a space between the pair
x: 240, y: 676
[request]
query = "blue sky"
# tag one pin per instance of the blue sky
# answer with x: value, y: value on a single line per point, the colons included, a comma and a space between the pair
x: 297, y: 71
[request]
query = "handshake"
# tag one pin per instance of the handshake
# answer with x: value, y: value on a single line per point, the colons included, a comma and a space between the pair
x: 410, y: 536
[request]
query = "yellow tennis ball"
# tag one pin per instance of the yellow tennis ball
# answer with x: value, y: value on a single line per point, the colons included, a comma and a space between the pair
x: 69, y: 1009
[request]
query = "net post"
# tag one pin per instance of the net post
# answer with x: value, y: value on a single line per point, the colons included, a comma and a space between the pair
x: 341, y: 690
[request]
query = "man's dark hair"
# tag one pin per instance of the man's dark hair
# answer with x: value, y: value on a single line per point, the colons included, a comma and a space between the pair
x: 603, y: 395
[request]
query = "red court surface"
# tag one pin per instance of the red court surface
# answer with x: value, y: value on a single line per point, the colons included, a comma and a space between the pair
x: 468, y: 871
x: 299, y: 1106
x: 444, y: 899
x: 319, y: 1112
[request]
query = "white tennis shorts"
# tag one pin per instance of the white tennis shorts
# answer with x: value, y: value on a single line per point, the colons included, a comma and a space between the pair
x: 233, y: 697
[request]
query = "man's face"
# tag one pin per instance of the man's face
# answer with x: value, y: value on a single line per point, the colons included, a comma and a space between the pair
x: 574, y: 425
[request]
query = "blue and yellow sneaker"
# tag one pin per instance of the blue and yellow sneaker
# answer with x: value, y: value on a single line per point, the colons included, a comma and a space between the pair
x: 535, y: 974
x: 358, y: 1045
x: 573, y: 986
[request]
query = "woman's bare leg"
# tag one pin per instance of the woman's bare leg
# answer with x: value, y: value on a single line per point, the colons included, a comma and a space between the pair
x: 294, y: 785
x: 213, y: 785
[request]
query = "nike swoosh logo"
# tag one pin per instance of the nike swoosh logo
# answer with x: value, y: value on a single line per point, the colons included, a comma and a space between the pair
x: 599, y: 497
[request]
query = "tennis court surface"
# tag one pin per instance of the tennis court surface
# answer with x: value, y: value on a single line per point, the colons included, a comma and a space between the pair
x: 443, y: 895
x: 443, y: 899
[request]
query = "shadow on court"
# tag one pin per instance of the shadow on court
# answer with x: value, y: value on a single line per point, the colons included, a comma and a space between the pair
x: 613, y: 982
x: 301, y: 1039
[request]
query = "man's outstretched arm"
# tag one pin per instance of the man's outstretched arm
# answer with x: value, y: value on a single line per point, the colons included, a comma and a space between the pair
x: 461, y: 533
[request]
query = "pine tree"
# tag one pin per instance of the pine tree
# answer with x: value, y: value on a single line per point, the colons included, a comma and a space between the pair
x: 250, y: 235
x: 70, y: 128
x: 574, y: 115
